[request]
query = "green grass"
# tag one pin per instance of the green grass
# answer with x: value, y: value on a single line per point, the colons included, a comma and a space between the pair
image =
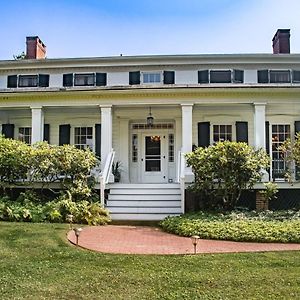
x: 36, y: 262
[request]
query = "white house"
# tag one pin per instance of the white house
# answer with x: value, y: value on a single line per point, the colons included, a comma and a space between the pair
x: 108, y: 103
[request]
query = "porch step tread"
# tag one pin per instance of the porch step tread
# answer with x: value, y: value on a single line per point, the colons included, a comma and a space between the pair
x: 125, y: 203
x: 141, y: 216
x: 165, y: 210
x: 142, y: 185
x: 153, y: 197
x: 144, y: 191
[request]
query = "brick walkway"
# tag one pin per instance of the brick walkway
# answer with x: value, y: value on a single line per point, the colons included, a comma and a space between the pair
x: 151, y: 240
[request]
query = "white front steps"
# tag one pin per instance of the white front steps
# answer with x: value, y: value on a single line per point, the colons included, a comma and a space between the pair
x: 143, y: 201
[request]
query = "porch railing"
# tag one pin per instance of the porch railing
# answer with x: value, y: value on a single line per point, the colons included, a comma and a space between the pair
x: 181, y: 178
x: 104, y: 176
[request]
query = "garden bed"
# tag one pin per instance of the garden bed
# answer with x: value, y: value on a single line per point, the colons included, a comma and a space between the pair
x: 268, y: 226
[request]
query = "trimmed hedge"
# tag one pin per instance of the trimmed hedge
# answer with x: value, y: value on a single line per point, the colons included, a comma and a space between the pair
x: 269, y: 226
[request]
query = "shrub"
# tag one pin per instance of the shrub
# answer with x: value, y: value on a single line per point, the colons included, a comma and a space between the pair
x: 223, y: 170
x: 238, y: 226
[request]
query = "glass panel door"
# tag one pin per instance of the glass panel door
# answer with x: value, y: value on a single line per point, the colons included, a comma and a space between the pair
x: 153, y: 153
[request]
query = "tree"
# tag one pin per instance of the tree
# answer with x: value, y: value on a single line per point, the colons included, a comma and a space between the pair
x: 223, y: 170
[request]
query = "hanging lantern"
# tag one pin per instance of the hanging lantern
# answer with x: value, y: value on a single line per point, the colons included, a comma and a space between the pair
x: 150, y: 119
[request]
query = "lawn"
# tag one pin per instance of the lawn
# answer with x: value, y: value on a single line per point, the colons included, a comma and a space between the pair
x: 36, y: 262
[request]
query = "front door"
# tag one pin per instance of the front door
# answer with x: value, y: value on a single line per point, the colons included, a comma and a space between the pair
x: 154, y: 158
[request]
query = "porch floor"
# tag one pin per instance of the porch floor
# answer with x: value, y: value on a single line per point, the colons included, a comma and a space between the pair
x: 152, y: 240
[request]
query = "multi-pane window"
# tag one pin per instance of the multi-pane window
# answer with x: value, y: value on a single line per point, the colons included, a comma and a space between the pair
x: 134, y: 145
x: 151, y: 77
x: 83, y: 137
x: 279, y: 134
x: 25, y: 134
x: 222, y: 133
x: 171, y: 147
x: 24, y: 81
x: 84, y: 79
x: 280, y: 76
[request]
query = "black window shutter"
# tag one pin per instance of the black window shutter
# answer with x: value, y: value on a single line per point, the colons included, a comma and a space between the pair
x: 43, y: 80
x: 169, y: 77
x: 68, y: 79
x: 296, y: 76
x: 134, y: 77
x: 203, y: 134
x: 297, y: 126
x: 203, y: 76
x: 262, y: 76
x: 64, y: 134
x: 98, y: 139
x: 8, y: 130
x: 12, y: 81
x: 238, y: 76
x: 267, y: 129
x: 101, y: 79
x: 242, y: 132
x: 47, y: 133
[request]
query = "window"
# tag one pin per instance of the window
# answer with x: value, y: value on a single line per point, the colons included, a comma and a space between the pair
x: 221, y: 76
x: 84, y: 79
x: 171, y: 147
x: 25, y: 134
x: 278, y: 76
x: 134, y: 148
x: 83, y: 137
x: 151, y: 77
x: 28, y: 80
x: 222, y: 133
x: 279, y: 134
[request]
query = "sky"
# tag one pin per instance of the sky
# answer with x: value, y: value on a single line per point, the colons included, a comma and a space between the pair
x: 86, y: 28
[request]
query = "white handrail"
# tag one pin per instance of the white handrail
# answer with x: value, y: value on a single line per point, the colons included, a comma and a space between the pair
x: 104, y: 176
x: 181, y: 178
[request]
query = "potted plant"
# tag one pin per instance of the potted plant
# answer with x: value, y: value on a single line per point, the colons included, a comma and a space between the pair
x: 116, y: 170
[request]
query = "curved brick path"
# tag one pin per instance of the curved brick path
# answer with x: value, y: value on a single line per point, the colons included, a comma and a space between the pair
x: 151, y: 240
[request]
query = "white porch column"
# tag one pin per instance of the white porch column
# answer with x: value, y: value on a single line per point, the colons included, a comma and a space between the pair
x: 37, y: 124
x: 187, y: 127
x: 260, y: 131
x: 259, y: 125
x: 106, y: 132
x: 187, y: 136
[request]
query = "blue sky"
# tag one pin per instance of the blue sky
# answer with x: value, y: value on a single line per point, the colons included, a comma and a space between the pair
x: 104, y: 28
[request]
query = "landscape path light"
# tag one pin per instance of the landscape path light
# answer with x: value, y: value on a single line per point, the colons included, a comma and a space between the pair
x: 77, y: 232
x: 195, y: 239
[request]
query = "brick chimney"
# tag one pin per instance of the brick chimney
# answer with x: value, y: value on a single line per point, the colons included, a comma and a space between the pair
x: 35, y: 48
x: 281, y: 41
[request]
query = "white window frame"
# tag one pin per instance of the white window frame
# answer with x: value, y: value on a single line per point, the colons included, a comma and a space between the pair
x: 82, y: 74
x: 28, y: 86
x: 22, y: 137
x: 85, y: 145
x: 233, y: 136
x: 150, y: 73
x: 280, y: 179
